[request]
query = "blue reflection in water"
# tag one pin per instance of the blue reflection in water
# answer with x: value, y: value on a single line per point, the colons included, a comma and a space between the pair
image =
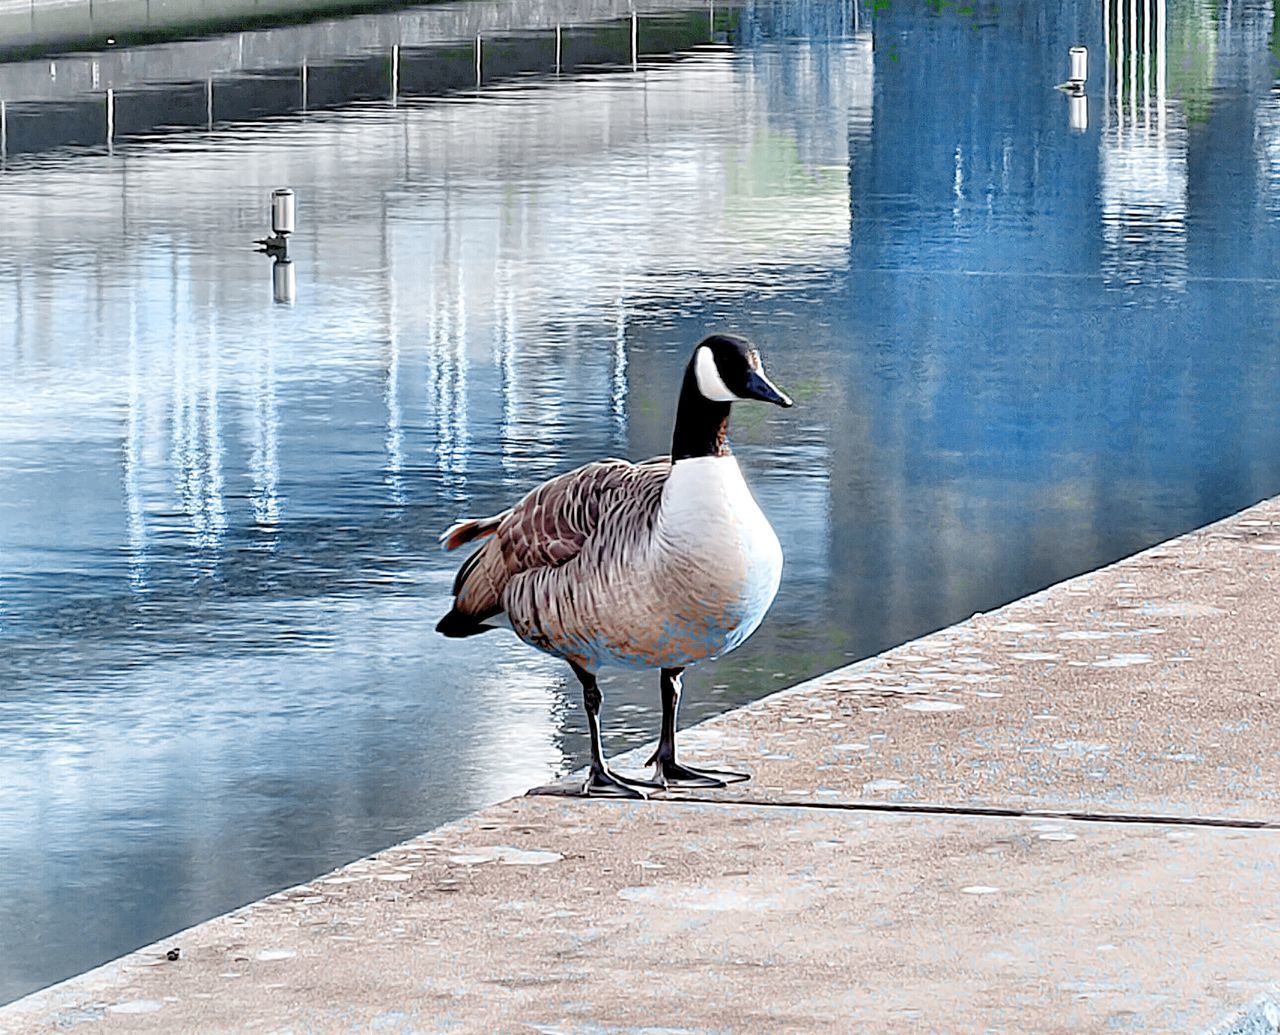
x: 1018, y: 352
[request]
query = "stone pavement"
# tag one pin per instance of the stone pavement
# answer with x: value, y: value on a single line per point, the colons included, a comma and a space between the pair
x: 1060, y: 816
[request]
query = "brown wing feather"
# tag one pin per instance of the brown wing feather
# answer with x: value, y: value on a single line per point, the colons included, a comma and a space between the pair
x: 548, y: 528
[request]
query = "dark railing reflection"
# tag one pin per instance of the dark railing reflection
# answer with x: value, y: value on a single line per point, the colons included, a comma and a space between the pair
x: 134, y: 100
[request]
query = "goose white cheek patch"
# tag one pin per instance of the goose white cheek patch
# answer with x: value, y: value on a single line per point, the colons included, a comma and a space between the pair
x: 710, y: 383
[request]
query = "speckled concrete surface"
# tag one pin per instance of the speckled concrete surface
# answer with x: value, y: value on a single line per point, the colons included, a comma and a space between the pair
x: 543, y: 915
x: 1147, y: 689
x: 1152, y: 685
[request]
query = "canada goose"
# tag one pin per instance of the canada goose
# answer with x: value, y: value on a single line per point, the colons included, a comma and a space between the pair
x: 658, y: 564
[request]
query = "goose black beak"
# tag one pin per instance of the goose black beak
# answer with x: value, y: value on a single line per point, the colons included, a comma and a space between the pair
x: 760, y: 387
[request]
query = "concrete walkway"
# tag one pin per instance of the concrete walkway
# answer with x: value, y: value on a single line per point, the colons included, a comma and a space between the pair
x: 1064, y: 815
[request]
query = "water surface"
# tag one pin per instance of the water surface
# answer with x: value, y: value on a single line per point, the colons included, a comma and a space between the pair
x: 1019, y: 351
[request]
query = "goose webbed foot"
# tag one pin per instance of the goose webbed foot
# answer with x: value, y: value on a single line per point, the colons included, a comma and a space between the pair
x: 670, y: 773
x: 605, y: 783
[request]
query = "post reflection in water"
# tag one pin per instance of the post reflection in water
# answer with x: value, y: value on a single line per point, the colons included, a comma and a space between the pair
x: 447, y: 378
x: 133, y: 439
x: 391, y: 394
x: 196, y: 441
x: 218, y: 515
x: 618, y: 381
x: 284, y: 281
x: 504, y: 336
x: 1144, y: 152
x: 264, y: 458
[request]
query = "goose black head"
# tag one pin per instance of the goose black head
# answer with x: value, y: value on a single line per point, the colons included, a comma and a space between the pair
x: 727, y: 368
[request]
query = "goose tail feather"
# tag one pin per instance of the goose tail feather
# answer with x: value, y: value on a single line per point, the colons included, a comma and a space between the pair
x: 469, y: 530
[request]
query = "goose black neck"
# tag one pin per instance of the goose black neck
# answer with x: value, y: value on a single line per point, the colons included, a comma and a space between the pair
x: 702, y: 425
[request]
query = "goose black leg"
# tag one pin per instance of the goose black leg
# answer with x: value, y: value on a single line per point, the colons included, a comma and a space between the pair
x: 667, y: 771
x: 603, y: 782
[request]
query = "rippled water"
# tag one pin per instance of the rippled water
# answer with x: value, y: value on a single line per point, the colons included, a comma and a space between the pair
x: 1018, y: 351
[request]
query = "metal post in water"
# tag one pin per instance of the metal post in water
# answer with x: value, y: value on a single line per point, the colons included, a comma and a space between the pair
x: 208, y: 102
x: 1077, y: 103
x: 478, y: 47
x: 284, y: 280
x: 304, y: 86
x: 111, y: 119
x: 283, y: 216
x: 1079, y: 67
x: 283, y: 212
x: 4, y: 132
x: 635, y: 41
x: 395, y: 73
x: 559, y: 47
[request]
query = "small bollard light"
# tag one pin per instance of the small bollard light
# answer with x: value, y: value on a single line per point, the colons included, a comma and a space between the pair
x: 1079, y: 67
x: 284, y: 282
x: 282, y: 209
x: 1078, y: 112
